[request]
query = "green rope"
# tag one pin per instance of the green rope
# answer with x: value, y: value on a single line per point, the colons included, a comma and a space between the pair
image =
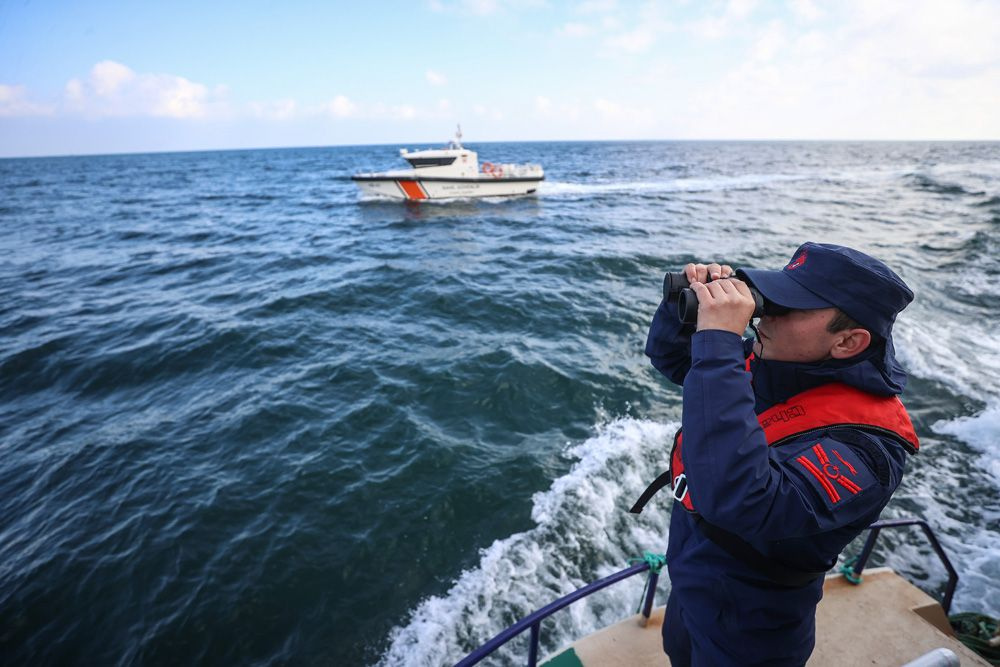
x: 847, y: 569
x: 976, y: 631
x: 656, y: 563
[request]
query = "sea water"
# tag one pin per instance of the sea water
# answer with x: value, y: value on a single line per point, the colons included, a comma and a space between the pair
x: 249, y: 417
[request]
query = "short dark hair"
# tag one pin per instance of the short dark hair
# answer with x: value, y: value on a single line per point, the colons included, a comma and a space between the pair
x: 841, y: 321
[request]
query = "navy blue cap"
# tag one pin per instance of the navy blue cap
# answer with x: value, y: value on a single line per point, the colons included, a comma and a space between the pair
x: 822, y: 275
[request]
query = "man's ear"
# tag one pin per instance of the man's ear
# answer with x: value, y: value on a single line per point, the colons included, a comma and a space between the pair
x: 850, y: 343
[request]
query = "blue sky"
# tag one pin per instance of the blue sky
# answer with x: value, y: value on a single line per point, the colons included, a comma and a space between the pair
x: 104, y: 77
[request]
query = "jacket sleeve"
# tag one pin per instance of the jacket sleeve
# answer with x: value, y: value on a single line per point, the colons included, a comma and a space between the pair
x: 668, y: 344
x: 739, y: 483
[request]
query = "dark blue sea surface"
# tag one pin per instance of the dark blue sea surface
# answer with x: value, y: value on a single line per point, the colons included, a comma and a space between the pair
x: 249, y: 418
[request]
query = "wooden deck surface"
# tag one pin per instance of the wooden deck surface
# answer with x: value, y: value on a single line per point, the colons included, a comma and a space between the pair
x: 884, y: 621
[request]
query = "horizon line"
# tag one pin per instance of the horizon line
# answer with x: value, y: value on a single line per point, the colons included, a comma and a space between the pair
x: 534, y: 141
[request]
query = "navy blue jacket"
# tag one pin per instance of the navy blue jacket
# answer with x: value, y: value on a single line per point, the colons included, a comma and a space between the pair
x: 721, y: 611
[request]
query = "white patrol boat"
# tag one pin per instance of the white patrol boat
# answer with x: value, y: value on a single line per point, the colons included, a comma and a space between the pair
x: 451, y: 172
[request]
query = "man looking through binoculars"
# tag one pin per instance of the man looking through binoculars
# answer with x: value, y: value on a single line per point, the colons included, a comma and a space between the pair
x: 796, y: 335
x: 791, y: 445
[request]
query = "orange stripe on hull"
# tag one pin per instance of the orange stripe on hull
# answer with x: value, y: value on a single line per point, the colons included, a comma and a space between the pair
x: 412, y: 189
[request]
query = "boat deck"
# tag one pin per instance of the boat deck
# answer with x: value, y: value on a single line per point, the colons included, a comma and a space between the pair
x: 884, y: 621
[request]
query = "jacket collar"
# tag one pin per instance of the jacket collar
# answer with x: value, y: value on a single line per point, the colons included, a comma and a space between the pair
x: 875, y: 371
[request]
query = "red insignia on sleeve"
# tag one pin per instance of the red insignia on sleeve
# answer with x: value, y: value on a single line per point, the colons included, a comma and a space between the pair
x: 830, y: 489
x: 849, y: 466
x: 827, y: 472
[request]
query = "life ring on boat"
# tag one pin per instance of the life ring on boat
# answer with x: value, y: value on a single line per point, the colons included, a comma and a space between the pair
x: 487, y: 167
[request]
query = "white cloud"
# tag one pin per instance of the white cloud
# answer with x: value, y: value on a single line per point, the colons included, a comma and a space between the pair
x: 597, y: 7
x: 805, y: 10
x: 108, y: 77
x: 341, y: 107
x: 887, y: 70
x: 740, y: 9
x: 74, y: 92
x: 717, y: 27
x: 176, y: 97
x: 435, y: 78
x: 811, y: 43
x: 481, y: 7
x: 611, y: 23
x: 650, y: 25
x: 923, y: 36
x: 14, y: 102
x: 634, y: 41
x: 608, y: 108
x: 113, y: 89
x: 543, y: 104
x: 770, y: 42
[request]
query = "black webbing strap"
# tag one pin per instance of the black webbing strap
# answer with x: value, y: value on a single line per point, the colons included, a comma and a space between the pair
x: 741, y: 550
x: 651, y: 490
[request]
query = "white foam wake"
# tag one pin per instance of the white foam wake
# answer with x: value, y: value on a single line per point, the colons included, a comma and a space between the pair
x: 745, y: 181
x: 962, y: 356
x: 981, y: 432
x: 959, y: 354
x: 866, y: 175
x: 583, y: 532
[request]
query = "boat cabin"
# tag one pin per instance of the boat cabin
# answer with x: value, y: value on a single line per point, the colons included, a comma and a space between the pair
x: 451, y: 161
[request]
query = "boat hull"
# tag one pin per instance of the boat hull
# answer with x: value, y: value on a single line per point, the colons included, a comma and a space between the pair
x: 445, y: 188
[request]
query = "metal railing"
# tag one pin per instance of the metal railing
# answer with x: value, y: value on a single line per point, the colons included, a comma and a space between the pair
x: 878, y: 526
x: 534, y: 621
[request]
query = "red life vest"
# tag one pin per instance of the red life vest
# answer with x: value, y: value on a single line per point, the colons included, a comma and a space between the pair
x: 828, y: 406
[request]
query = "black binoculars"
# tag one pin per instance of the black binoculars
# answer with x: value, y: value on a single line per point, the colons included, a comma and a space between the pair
x: 675, y: 283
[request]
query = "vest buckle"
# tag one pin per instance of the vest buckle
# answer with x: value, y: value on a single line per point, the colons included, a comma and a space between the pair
x: 680, y: 487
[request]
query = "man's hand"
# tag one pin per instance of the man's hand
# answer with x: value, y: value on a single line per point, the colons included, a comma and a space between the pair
x: 703, y: 273
x: 722, y: 304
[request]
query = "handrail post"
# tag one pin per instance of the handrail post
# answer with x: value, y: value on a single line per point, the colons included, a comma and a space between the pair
x: 647, y: 604
x: 952, y: 574
x: 536, y: 629
x: 873, y: 532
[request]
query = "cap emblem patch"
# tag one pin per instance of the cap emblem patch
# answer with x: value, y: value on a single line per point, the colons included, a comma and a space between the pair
x: 798, y: 261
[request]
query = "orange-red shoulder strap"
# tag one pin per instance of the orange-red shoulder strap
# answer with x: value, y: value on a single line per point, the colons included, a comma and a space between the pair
x: 837, y: 404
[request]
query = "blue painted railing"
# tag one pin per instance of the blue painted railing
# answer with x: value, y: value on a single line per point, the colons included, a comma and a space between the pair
x: 878, y: 526
x: 534, y: 621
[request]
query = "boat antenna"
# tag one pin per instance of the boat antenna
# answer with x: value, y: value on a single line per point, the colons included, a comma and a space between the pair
x: 458, y: 136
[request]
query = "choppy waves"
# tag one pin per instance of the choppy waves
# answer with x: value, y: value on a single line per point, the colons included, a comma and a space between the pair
x: 581, y: 533
x: 243, y: 408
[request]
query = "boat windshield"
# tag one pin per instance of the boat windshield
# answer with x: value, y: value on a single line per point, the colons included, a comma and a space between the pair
x: 418, y: 162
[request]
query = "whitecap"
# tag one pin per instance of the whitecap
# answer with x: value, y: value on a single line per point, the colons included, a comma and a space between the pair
x: 981, y: 432
x: 583, y: 532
